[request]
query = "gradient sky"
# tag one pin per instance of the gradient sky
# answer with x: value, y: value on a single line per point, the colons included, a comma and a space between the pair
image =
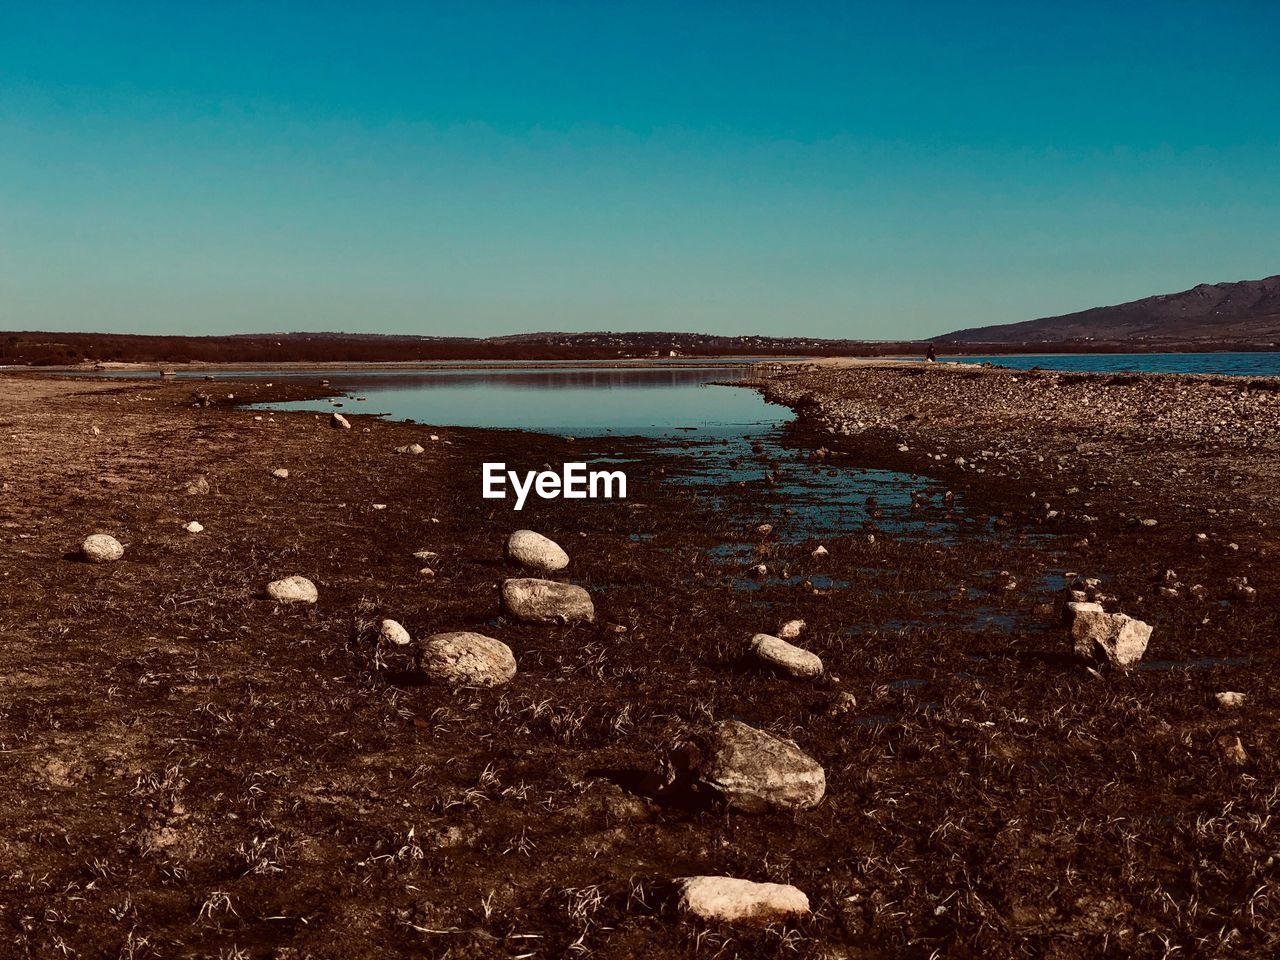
x: 871, y: 170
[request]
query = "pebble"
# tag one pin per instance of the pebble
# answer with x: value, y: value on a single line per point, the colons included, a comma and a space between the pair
x: 195, y: 526
x: 198, y: 486
x: 339, y: 422
x: 101, y: 548
x: 413, y: 448
x: 280, y: 473
x: 1229, y: 699
x: 393, y: 633
x: 731, y: 900
x: 791, y: 629
x: 820, y: 551
x: 466, y: 659
x: 293, y: 589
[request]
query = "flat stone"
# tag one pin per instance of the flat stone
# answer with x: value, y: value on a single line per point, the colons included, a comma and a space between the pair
x: 339, y: 422
x: 731, y: 900
x: 195, y: 526
x: 777, y: 653
x: 466, y: 659
x: 293, y: 589
x: 280, y: 473
x: 546, y: 601
x: 1229, y: 699
x: 535, y: 552
x: 749, y: 770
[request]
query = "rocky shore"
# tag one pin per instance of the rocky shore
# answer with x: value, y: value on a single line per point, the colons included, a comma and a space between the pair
x: 313, y: 697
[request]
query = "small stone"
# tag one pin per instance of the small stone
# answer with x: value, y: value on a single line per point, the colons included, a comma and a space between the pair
x: 426, y: 555
x: 198, y: 486
x: 293, y: 589
x: 820, y: 551
x: 764, y: 529
x: 777, y: 653
x: 749, y: 770
x: 730, y: 900
x: 466, y: 659
x: 842, y: 703
x: 379, y: 506
x: 427, y: 573
x: 535, y: 552
x: 280, y: 473
x: 1232, y: 750
x: 393, y: 633
x: 412, y: 448
x: 195, y: 526
x: 546, y: 601
x: 95, y: 431
x: 339, y: 422
x: 760, y: 570
x: 101, y: 548
x: 1229, y: 699
x: 791, y: 629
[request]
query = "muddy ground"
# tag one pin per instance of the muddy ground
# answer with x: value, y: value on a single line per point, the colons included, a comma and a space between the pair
x: 191, y: 770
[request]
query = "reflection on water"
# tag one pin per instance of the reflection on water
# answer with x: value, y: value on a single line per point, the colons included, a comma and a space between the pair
x: 577, y: 400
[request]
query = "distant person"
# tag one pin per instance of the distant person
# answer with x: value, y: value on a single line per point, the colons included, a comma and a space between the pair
x: 930, y: 357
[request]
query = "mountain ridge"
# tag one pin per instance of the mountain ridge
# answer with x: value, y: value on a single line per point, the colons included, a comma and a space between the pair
x: 1234, y: 310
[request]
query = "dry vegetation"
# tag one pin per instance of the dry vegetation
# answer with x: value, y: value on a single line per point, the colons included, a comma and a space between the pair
x: 195, y: 771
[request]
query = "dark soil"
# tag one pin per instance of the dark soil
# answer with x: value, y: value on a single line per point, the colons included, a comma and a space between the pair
x: 192, y: 770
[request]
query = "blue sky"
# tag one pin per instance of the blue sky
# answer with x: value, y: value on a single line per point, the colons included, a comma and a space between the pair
x: 872, y: 170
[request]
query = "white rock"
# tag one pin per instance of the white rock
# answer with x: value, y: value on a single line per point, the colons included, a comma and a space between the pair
x: 280, y: 473
x: 546, y: 601
x: 101, y: 548
x: 1230, y: 699
x: 427, y: 573
x: 293, y: 589
x: 379, y: 506
x: 394, y: 633
x: 466, y: 659
x: 339, y: 422
x: 777, y: 653
x: 1114, y: 637
x: 426, y: 555
x: 198, y: 486
x: 535, y: 552
x: 750, y: 770
x: 412, y: 448
x: 819, y: 551
x: 195, y: 526
x: 730, y: 900
x: 95, y: 431
x: 791, y: 629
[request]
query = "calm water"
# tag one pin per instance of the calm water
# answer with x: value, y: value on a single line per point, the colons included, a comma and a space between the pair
x: 1263, y: 364
x: 579, y: 400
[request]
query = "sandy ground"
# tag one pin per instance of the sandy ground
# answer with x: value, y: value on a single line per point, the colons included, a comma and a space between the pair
x: 192, y: 770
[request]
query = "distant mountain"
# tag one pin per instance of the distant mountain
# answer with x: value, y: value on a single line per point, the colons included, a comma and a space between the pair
x: 1246, y: 311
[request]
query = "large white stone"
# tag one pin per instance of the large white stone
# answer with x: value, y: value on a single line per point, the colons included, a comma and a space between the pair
x: 293, y: 589
x: 466, y: 659
x: 546, y: 601
x: 1111, y: 637
x: 750, y: 770
x: 339, y: 422
x: 777, y: 653
x: 536, y: 552
x: 101, y: 548
x: 731, y: 900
